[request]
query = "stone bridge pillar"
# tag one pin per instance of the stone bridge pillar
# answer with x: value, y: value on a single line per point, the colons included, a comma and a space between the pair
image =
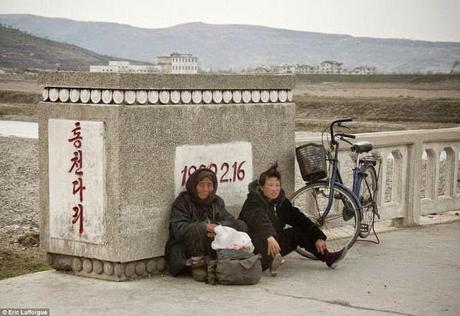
x: 115, y: 150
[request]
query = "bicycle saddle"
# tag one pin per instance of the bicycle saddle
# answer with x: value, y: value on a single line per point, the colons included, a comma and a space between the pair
x: 361, y: 147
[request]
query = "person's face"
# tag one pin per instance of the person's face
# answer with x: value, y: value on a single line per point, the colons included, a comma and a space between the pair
x: 271, y: 188
x: 204, y: 188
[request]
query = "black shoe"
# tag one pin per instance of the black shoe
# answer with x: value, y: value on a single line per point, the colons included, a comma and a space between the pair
x: 332, y: 258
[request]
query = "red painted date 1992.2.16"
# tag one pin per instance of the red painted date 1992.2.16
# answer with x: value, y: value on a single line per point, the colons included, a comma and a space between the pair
x: 226, y: 172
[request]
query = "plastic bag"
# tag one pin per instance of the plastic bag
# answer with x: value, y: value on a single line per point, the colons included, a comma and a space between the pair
x: 229, y: 238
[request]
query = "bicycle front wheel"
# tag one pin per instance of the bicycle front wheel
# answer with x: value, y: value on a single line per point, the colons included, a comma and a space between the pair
x: 340, y: 225
x: 368, y: 199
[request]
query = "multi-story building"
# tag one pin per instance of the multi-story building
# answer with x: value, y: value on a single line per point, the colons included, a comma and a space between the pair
x: 177, y: 63
x: 330, y: 67
x: 124, y: 66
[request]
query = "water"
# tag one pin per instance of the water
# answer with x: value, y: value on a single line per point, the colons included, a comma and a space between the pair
x: 19, y: 129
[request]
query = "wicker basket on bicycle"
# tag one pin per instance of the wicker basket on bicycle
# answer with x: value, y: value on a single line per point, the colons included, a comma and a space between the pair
x: 312, y: 161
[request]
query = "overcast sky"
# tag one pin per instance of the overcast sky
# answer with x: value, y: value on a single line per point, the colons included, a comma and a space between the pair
x: 434, y: 20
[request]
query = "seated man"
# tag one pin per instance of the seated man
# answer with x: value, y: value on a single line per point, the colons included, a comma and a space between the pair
x: 194, y: 215
x: 266, y: 211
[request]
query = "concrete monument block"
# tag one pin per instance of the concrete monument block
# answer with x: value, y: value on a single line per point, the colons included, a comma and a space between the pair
x: 116, y: 149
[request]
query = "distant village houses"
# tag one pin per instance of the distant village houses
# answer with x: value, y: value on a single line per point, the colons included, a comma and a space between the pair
x: 175, y: 63
x: 325, y: 67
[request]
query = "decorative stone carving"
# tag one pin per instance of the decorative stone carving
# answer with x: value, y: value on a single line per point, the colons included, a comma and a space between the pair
x: 130, y: 268
x: 207, y: 96
x: 151, y: 266
x: 97, y: 266
x: 85, y: 95
x: 186, y: 96
x: 161, y: 264
x: 164, y: 97
x: 87, y: 265
x: 95, y: 96
x: 217, y: 96
x: 76, y: 264
x: 255, y: 96
x: 246, y: 96
x: 227, y: 96
x: 107, y: 96
x: 53, y: 94
x: 118, y: 96
x: 141, y: 96
x: 236, y: 96
x: 196, y: 96
x: 282, y: 95
x: 118, y: 270
x: 130, y: 97
x: 273, y: 96
x: 45, y: 94
x: 108, y: 268
x: 140, y: 268
x: 63, y: 95
x: 175, y: 96
x: 74, y: 95
x: 265, y: 96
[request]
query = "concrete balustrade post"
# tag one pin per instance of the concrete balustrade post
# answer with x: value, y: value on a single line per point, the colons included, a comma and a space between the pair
x: 411, y: 200
x: 116, y: 149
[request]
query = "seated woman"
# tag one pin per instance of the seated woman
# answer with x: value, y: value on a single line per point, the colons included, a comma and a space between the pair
x: 194, y: 215
x: 266, y: 211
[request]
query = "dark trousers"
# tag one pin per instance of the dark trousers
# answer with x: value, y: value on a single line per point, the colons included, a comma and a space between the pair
x: 197, y: 242
x: 288, y: 240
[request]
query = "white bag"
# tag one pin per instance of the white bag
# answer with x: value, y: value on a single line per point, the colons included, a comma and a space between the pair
x: 229, y: 238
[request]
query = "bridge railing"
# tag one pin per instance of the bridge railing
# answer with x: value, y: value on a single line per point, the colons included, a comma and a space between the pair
x: 419, y: 173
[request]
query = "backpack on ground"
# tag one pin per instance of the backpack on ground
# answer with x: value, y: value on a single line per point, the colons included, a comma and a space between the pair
x: 234, y: 267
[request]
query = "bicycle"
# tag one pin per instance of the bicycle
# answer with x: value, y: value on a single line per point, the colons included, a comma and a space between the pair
x: 342, y: 214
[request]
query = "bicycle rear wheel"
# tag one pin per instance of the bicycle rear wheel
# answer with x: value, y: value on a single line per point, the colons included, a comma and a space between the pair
x: 368, y: 199
x: 341, y: 224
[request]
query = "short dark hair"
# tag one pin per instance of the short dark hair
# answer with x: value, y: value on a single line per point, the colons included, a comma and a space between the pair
x: 270, y: 173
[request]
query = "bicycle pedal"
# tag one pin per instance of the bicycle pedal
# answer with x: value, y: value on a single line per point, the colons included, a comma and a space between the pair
x: 364, y: 228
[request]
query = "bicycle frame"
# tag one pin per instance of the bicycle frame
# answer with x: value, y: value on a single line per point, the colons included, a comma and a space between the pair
x: 336, y: 179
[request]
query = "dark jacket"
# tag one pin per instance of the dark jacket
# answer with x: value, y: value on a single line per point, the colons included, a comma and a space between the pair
x: 186, y: 210
x: 265, y: 219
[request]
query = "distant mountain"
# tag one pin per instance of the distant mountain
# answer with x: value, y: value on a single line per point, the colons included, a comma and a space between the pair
x: 239, y: 46
x: 19, y: 50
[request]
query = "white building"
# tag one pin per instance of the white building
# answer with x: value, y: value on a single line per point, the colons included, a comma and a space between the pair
x: 125, y: 66
x: 330, y: 67
x: 178, y: 64
x: 363, y: 70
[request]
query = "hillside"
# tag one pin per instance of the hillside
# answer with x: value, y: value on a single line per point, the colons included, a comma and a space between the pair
x: 239, y: 46
x: 20, y: 51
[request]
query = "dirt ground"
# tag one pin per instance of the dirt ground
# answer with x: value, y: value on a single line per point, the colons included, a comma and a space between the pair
x: 19, y: 214
x: 432, y: 105
x: 444, y: 89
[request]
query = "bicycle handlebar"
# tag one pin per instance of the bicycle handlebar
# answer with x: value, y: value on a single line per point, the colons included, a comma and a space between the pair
x: 347, y: 135
x: 339, y: 123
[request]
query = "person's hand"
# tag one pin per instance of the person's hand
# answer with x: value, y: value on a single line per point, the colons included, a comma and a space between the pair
x: 273, y: 246
x: 210, y: 230
x: 320, y: 246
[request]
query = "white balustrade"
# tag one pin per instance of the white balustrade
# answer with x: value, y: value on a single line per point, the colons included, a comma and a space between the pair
x: 419, y: 174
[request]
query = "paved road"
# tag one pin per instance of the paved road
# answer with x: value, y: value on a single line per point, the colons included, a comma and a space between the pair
x: 414, y: 271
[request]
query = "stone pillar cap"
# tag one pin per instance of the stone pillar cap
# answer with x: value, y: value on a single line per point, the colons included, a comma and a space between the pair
x: 80, y: 79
